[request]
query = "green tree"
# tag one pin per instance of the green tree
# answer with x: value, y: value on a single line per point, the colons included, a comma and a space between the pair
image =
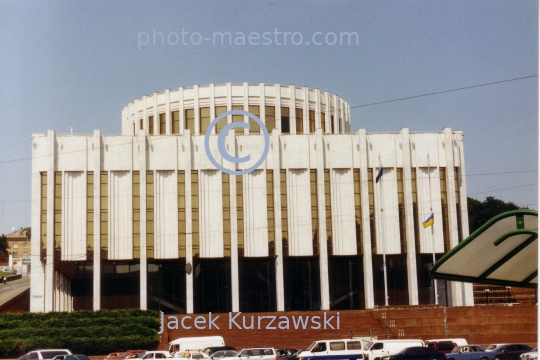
x: 3, y: 244
x: 481, y: 211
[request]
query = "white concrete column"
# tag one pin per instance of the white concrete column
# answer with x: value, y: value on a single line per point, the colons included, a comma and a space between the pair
x: 468, y: 296
x: 321, y: 208
x: 245, y: 97
x: 278, y: 245
x: 262, y: 106
x: 37, y: 280
x: 212, y: 106
x: 155, y: 113
x: 366, y: 228
x: 49, y: 262
x: 235, y: 285
x: 305, y: 110
x: 196, y: 110
x: 277, y: 88
x: 189, y: 224
x: 96, y: 283
x: 412, y: 277
x: 143, y: 261
x: 292, y: 109
x: 181, y: 112
x: 168, y: 117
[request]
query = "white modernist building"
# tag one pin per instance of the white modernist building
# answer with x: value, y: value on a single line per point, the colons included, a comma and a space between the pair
x: 331, y: 219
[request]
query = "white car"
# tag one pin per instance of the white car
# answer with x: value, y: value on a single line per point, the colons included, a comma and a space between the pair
x: 44, y: 354
x: 157, y: 354
x: 529, y: 355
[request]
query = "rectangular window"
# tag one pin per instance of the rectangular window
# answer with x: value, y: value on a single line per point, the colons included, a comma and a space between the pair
x: 284, y: 214
x: 401, y: 209
x: 104, y: 211
x: 57, y: 210
x: 323, y: 123
x: 254, y: 127
x: 136, y: 186
x: 285, y: 121
x: 25, y: 245
x: 337, y: 346
x: 15, y: 254
x: 371, y: 211
x: 205, y: 119
x: 43, y: 213
x: 458, y: 207
x: 151, y: 125
x: 271, y: 212
x: 15, y: 245
x: 189, y: 116
x: 299, y: 121
x: 314, y: 211
x: 240, y: 214
x: 311, y: 121
x: 354, y: 345
x: 195, y: 211
x: 226, y: 198
x: 89, y: 211
x: 238, y: 118
x: 331, y: 124
x: 328, y: 211
x: 358, y: 211
x: 221, y: 123
x: 175, y: 115
x: 270, y: 118
x: 444, y: 207
x: 141, y: 124
x: 181, y: 214
x: 150, y: 214
x: 133, y: 128
x: 162, y: 124
x: 415, y: 211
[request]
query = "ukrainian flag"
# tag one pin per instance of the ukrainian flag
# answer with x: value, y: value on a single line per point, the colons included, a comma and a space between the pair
x: 429, y: 221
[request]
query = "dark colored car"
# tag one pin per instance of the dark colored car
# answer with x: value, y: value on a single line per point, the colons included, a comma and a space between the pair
x: 510, y: 351
x: 291, y: 357
x: 286, y: 352
x: 417, y: 353
x: 212, y: 349
x: 71, y: 357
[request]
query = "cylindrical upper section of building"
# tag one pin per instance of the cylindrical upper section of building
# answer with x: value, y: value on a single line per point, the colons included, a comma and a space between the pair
x: 288, y: 109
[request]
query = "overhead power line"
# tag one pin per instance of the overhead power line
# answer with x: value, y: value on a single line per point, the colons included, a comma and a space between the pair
x: 444, y: 91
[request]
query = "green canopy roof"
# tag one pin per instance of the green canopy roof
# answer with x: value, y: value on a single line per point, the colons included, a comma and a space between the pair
x: 504, y: 251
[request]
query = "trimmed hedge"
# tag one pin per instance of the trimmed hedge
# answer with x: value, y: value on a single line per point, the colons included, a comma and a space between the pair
x: 84, y: 332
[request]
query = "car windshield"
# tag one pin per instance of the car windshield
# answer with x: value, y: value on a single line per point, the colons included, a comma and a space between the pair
x: 311, y: 346
x: 368, y: 345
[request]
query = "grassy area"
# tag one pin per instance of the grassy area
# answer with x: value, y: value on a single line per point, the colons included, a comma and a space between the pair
x: 2, y: 274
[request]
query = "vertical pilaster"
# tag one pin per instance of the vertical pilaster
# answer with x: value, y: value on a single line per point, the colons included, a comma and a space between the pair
x: 37, y: 280
x: 409, y: 218
x: 168, y: 118
x: 305, y: 111
x: 280, y: 284
x: 96, y: 283
x: 49, y: 261
x: 321, y: 207
x: 143, y: 261
x: 366, y: 228
x: 196, y: 110
x: 235, y: 284
x: 189, y: 224
x: 292, y: 109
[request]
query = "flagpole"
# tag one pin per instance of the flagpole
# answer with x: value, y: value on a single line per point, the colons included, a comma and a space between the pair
x: 432, y: 234
x: 383, y: 240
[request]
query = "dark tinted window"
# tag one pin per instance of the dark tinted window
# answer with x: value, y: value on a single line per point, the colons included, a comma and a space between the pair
x: 377, y: 346
x: 51, y: 354
x: 445, y: 346
x: 33, y: 356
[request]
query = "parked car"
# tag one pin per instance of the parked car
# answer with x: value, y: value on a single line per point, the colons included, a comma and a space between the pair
x: 417, y: 353
x: 213, y: 349
x: 223, y: 353
x: 445, y: 345
x: 114, y: 355
x: 291, y: 357
x: 259, y: 353
x: 157, y: 354
x: 467, y: 352
x: 285, y: 352
x: 71, y: 357
x: 494, y: 346
x: 44, y: 354
x: 194, y: 355
x: 510, y: 351
x: 134, y: 354
x: 529, y: 355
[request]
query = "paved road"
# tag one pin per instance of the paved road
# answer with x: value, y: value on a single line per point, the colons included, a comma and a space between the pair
x: 13, y: 288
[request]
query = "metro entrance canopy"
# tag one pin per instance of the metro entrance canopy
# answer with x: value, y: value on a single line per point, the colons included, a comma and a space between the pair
x: 504, y: 251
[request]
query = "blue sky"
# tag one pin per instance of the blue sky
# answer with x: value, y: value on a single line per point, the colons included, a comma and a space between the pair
x: 76, y: 64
